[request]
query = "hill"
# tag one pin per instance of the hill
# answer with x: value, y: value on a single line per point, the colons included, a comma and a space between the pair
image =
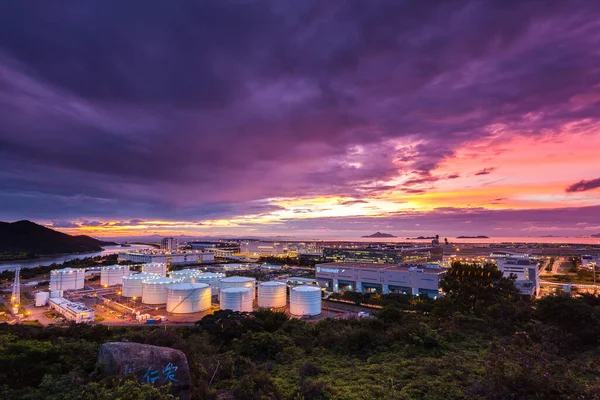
x: 25, y: 239
x: 380, y: 235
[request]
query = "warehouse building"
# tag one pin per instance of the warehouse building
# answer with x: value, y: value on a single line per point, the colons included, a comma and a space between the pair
x: 415, y: 279
x: 260, y: 248
x: 383, y: 256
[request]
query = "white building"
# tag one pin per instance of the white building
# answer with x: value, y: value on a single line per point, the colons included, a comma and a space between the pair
x: 77, y: 312
x: 169, y: 244
x: 422, y: 279
x: 528, y: 275
x: 260, y: 248
x: 158, y: 256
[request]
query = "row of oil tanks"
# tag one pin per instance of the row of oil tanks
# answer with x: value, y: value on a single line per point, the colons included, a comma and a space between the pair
x: 190, y: 291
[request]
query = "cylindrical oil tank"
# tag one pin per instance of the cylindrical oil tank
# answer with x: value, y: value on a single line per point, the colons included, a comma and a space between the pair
x: 113, y: 275
x: 210, y: 278
x: 238, y: 298
x: 56, y: 293
x: 154, y: 291
x: 155, y: 268
x: 132, y: 284
x: 41, y: 299
x: 185, y: 275
x: 188, y: 297
x: 305, y: 300
x: 67, y: 279
x: 272, y: 294
x: 238, y: 281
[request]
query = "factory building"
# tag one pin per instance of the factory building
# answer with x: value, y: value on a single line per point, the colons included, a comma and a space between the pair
x: 77, y: 312
x: 421, y: 279
x: 177, y: 258
x: 169, y: 244
x: 259, y: 248
x: 383, y: 256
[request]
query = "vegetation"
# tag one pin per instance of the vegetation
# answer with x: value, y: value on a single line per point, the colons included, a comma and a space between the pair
x: 481, y: 341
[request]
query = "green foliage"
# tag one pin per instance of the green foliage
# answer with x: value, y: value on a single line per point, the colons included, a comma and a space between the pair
x: 480, y: 342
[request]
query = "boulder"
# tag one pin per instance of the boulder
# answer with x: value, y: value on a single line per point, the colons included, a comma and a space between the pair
x: 154, y: 365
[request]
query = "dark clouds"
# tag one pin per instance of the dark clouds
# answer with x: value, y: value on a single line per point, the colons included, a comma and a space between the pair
x: 584, y: 185
x: 202, y: 109
x: 485, y: 171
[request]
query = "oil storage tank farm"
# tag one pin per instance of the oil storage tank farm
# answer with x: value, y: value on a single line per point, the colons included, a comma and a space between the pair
x: 155, y: 268
x: 305, y: 300
x: 210, y: 278
x: 113, y: 275
x: 132, y: 284
x: 236, y: 298
x: 154, y: 290
x: 239, y: 281
x: 67, y: 279
x: 185, y: 275
x: 189, y: 297
x: 272, y: 294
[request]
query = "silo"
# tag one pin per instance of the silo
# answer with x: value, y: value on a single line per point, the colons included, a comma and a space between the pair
x: 154, y: 290
x: 67, y: 279
x: 132, y: 284
x: 185, y: 275
x: 305, y: 300
x: 113, y: 275
x: 272, y: 294
x: 210, y: 278
x: 238, y: 281
x: 183, y: 298
x: 237, y: 298
x: 155, y: 268
x: 41, y: 299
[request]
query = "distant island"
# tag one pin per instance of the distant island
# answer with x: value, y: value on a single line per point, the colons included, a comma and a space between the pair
x: 420, y: 238
x: 596, y: 235
x: 472, y: 237
x: 24, y: 240
x: 379, y: 235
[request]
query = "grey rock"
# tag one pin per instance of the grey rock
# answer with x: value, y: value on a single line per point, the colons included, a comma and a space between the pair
x: 154, y: 365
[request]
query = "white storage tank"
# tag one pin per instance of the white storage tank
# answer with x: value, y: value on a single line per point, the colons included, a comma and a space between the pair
x: 272, y: 294
x: 41, y: 299
x: 237, y: 298
x: 113, y: 275
x: 154, y: 290
x: 185, y: 275
x: 67, y: 279
x: 210, y: 278
x: 155, y: 268
x: 305, y: 300
x: 239, y: 281
x: 56, y: 293
x: 188, y: 297
x: 132, y: 284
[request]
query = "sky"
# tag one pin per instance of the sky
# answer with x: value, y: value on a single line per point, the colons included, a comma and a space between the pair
x: 301, y: 118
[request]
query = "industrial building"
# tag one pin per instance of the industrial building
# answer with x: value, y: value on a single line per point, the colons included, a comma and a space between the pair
x: 169, y: 244
x: 416, y: 279
x: 260, y: 248
x: 383, y: 256
x: 77, y: 312
x: 177, y: 258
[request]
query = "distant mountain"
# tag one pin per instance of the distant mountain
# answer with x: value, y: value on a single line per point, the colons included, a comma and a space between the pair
x: 27, y: 239
x: 472, y: 237
x: 379, y: 235
x: 596, y: 235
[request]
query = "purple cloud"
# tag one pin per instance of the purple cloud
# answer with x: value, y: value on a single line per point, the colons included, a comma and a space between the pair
x: 485, y: 171
x: 583, y: 186
x: 206, y: 109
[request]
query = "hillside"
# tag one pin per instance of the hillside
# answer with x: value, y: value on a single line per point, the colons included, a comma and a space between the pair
x: 25, y: 239
x: 379, y: 235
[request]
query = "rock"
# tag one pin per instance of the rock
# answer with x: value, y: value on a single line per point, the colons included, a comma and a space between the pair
x: 150, y: 364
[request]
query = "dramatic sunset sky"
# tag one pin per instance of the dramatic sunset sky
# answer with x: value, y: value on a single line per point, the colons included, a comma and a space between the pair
x: 301, y: 118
